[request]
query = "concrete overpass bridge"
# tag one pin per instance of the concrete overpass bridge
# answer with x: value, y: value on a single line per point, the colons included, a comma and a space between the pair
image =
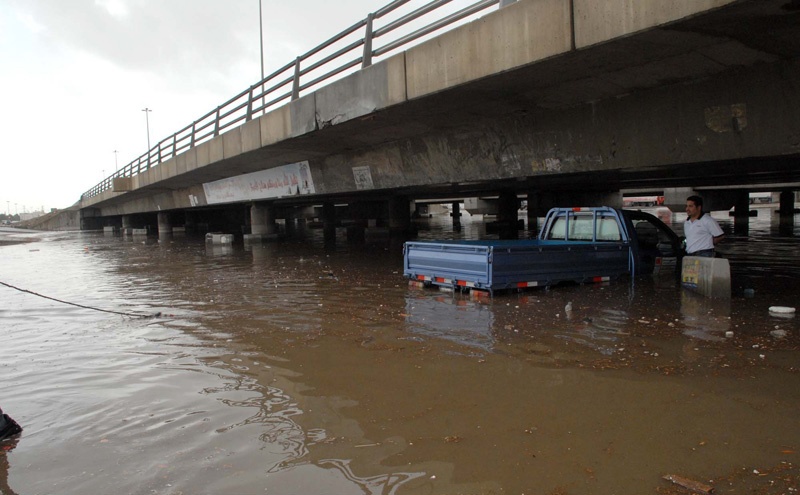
x: 556, y: 101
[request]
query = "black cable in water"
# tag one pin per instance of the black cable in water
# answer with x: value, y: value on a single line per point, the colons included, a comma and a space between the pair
x: 132, y: 315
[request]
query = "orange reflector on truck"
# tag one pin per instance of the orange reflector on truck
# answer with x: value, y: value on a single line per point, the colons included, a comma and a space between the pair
x: 522, y: 285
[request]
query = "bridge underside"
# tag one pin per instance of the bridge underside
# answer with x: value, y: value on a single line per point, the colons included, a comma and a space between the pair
x: 710, y: 101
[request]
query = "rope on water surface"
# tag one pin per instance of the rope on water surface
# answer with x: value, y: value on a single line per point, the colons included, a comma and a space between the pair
x: 132, y: 315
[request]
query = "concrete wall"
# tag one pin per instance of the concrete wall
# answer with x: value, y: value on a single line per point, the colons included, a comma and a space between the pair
x: 597, y: 22
x: 520, y: 34
x: 659, y: 128
x: 67, y: 219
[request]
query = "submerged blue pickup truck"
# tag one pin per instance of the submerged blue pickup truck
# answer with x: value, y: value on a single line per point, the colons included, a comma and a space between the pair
x: 592, y: 244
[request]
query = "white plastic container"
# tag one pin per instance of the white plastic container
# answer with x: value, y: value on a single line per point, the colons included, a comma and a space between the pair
x: 217, y: 238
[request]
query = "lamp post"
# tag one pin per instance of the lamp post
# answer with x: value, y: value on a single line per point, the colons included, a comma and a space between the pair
x: 261, y: 45
x: 116, y: 164
x: 147, y: 122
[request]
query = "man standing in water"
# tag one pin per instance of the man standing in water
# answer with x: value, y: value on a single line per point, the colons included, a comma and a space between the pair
x: 702, y: 232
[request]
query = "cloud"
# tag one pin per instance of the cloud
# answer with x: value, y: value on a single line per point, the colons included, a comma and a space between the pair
x: 75, y: 75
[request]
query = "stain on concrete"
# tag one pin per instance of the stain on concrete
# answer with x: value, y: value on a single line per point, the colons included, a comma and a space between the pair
x: 726, y: 118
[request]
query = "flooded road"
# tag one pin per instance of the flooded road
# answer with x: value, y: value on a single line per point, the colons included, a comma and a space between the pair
x: 290, y: 368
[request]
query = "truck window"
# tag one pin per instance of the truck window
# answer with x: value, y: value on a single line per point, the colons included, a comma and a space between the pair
x: 559, y: 230
x: 580, y: 228
x: 608, y: 230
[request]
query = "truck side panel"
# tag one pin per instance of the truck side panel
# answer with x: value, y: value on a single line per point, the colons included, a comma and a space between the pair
x: 554, y: 263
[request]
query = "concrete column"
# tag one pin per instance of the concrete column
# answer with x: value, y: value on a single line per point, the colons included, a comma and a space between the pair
x: 164, y: 224
x: 90, y: 219
x: 289, y: 222
x: 741, y: 213
x: 675, y: 198
x: 507, y: 206
x: 533, y: 213
x: 190, y: 221
x: 127, y: 224
x: 356, y: 232
x: 786, y: 213
x: 456, y: 215
x: 399, y: 214
x: 329, y: 222
x: 262, y: 219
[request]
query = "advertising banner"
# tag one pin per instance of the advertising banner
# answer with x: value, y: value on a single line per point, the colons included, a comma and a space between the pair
x: 287, y: 180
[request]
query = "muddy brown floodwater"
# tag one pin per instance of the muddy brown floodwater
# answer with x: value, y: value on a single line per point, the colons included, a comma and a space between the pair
x: 290, y: 368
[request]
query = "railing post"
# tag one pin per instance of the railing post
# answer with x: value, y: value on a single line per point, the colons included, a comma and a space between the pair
x: 174, y: 144
x: 194, y: 130
x: 249, y: 105
x: 159, y: 151
x: 366, y: 60
x: 216, y: 123
x: 296, y: 83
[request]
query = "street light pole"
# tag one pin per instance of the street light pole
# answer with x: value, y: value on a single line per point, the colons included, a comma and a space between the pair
x: 116, y: 165
x: 261, y: 44
x: 147, y: 122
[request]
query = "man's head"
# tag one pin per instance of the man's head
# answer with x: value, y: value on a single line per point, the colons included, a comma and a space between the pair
x: 694, y: 207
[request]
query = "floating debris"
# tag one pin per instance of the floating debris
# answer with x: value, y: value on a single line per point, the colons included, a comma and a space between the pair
x: 694, y: 486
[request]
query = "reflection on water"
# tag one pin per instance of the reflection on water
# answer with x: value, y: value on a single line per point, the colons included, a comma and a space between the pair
x: 290, y: 367
x: 705, y: 318
x: 458, y: 319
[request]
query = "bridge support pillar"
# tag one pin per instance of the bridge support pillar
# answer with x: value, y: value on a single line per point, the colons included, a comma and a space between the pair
x: 329, y: 222
x: 289, y: 222
x: 508, y: 205
x: 164, y: 224
x: 675, y: 197
x: 190, y: 221
x: 741, y: 213
x: 359, y: 217
x: 262, y: 221
x: 786, y: 213
x: 456, y: 213
x: 399, y: 215
x: 127, y: 225
x: 356, y: 232
x: 90, y: 219
x: 533, y: 213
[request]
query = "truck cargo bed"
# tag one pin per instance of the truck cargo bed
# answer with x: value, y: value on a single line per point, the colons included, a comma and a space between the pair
x: 496, y: 265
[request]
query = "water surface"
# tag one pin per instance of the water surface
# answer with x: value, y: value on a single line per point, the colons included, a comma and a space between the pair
x: 295, y: 368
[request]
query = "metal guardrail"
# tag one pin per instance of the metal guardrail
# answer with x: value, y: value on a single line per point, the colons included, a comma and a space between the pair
x: 288, y: 82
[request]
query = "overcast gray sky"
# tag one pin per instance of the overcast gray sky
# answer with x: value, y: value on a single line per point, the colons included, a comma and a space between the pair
x: 76, y: 74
